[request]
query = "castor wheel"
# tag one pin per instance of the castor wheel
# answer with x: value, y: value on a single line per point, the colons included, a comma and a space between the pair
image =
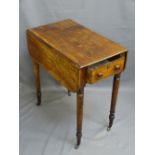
x: 76, y: 146
x: 108, y: 128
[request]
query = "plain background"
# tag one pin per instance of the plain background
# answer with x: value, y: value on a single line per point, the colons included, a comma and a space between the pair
x: 111, y: 18
x: 43, y: 130
x: 145, y: 99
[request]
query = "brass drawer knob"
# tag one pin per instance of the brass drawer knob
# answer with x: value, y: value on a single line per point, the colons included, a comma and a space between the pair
x: 117, y: 67
x: 99, y: 75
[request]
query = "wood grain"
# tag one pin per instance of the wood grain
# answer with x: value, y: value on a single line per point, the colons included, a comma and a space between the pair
x: 75, y: 55
x: 79, y: 44
x: 101, y: 71
x: 116, y: 81
x: 80, y: 96
x: 57, y: 65
x: 36, y: 69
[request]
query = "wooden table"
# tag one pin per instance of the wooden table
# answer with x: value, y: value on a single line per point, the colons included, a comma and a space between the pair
x: 74, y: 55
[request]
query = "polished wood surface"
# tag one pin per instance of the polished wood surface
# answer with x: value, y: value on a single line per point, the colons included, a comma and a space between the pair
x: 75, y: 55
x: 116, y: 81
x: 37, y: 81
x: 105, y: 69
x: 77, y: 43
x: 80, y: 96
x: 56, y: 64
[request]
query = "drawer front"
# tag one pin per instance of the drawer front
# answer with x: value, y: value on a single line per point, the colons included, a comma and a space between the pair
x: 105, y: 69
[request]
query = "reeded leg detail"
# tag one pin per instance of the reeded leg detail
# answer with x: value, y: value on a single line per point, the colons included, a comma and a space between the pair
x: 113, y: 100
x: 80, y: 96
x: 37, y: 82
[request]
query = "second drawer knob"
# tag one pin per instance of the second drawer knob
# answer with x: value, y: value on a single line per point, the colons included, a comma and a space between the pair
x: 99, y: 75
x: 117, y: 67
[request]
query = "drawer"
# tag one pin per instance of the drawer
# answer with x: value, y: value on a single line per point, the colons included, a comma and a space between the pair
x: 105, y: 69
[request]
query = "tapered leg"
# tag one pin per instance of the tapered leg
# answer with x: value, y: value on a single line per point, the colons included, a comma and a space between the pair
x: 113, y: 100
x: 80, y: 96
x: 69, y: 93
x: 37, y: 81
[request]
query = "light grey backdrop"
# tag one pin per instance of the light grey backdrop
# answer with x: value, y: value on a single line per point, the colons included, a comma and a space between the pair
x: 111, y: 18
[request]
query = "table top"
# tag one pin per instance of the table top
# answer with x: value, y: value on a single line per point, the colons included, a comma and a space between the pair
x: 76, y: 42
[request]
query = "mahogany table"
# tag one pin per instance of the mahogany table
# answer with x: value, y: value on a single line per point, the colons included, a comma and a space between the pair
x: 75, y: 55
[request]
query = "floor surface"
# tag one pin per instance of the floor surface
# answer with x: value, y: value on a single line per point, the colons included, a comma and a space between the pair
x: 50, y: 129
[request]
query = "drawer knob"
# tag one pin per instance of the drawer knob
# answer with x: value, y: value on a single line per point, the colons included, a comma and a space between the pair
x: 99, y: 75
x: 117, y: 67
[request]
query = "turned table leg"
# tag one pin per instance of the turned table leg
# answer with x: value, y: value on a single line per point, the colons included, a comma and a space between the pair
x: 80, y: 96
x: 37, y: 81
x: 113, y: 100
